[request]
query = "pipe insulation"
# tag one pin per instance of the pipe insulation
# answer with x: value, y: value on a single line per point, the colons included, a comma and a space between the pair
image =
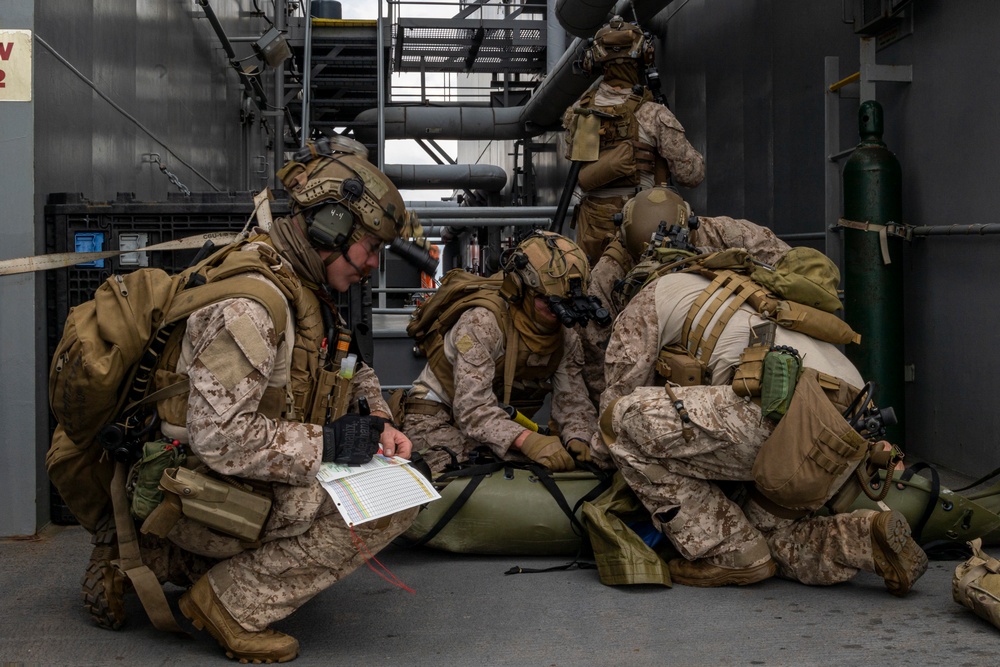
x: 447, y: 176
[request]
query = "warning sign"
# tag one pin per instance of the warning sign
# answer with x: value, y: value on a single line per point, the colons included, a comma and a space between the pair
x: 15, y: 65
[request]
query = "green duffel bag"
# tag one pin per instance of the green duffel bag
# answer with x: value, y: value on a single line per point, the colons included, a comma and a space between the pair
x: 943, y: 521
x: 507, y: 509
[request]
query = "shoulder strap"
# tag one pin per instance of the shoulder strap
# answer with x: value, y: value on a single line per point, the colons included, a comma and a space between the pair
x: 617, y: 252
x: 129, y: 561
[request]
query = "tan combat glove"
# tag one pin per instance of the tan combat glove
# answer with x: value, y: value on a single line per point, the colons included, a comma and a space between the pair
x: 547, y: 450
x: 579, y: 449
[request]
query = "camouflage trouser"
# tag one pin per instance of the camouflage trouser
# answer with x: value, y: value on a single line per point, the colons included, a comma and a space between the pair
x: 264, y: 585
x: 594, y: 223
x: 427, y: 430
x: 670, y: 475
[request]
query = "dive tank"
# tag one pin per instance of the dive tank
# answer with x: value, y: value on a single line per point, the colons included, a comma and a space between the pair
x: 873, y: 303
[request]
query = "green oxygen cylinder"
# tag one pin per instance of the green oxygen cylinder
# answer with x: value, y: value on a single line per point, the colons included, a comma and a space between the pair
x: 873, y: 290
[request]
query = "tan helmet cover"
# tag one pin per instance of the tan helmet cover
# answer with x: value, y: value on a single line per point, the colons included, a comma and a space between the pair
x: 643, y: 214
x: 545, y: 262
x: 618, y: 41
x: 347, y: 178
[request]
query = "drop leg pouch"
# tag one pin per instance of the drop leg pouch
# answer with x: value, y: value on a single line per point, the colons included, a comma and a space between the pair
x: 218, y: 504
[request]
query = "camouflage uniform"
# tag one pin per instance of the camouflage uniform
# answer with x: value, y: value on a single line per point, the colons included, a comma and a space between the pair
x: 232, y: 353
x: 659, y: 128
x: 473, y: 346
x: 672, y: 475
x: 712, y: 235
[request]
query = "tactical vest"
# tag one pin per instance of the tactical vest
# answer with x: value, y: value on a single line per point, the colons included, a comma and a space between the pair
x: 306, y: 397
x: 727, y: 272
x: 623, y: 157
x: 519, y: 385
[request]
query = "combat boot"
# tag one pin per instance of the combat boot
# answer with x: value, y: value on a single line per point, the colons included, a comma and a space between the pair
x: 201, y: 605
x: 708, y: 575
x: 898, y: 558
x: 103, y: 585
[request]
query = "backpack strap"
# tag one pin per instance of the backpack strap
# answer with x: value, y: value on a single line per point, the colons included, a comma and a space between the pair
x: 129, y: 560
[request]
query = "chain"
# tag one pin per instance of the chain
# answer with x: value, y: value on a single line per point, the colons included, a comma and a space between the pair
x: 155, y: 158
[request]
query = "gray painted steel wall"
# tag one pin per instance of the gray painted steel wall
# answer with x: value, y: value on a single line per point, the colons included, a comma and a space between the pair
x: 943, y: 129
x: 163, y: 64
x: 160, y: 61
x: 746, y: 79
x: 22, y: 474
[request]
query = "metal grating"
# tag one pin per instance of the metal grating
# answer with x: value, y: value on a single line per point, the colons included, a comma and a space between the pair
x: 461, y: 45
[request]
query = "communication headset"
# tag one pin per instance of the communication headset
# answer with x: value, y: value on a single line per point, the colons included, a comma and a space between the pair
x: 330, y: 222
x: 513, y: 261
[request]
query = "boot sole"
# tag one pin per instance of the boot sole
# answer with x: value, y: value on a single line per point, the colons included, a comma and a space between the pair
x: 103, y: 586
x: 901, y: 553
x: 193, y: 613
x: 740, y: 578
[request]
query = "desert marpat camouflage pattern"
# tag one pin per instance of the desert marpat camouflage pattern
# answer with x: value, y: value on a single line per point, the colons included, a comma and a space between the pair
x: 473, y: 346
x: 665, y: 472
x: 728, y: 433
x: 659, y: 127
x: 594, y: 337
x: 713, y: 235
x: 232, y: 347
x: 722, y: 232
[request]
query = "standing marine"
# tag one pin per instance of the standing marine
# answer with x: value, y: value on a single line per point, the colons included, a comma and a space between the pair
x: 626, y: 140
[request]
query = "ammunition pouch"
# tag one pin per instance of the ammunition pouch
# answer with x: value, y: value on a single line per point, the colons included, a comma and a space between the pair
x: 749, y: 374
x: 228, y: 507
x: 331, y: 398
x: 675, y: 364
x: 812, y: 452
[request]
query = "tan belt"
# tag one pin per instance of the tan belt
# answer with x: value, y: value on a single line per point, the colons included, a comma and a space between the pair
x: 421, y: 406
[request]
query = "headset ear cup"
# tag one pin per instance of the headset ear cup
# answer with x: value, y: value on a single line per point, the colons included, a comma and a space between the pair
x: 512, y: 288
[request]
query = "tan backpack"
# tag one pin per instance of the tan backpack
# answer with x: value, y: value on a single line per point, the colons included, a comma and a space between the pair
x: 101, y: 370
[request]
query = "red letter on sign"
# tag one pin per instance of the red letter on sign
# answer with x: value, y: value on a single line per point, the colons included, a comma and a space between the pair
x: 5, y: 50
x: 3, y: 75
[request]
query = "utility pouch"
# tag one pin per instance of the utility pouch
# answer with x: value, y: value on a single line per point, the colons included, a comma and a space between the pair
x: 811, y: 452
x: 781, y: 369
x: 323, y: 397
x: 976, y: 584
x: 220, y: 505
x: 615, y: 164
x: 749, y: 374
x: 676, y: 365
x: 143, y: 483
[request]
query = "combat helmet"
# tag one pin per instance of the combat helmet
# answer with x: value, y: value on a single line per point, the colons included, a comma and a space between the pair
x: 655, y: 228
x: 618, y: 41
x: 648, y: 211
x: 545, y: 263
x: 341, y: 196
